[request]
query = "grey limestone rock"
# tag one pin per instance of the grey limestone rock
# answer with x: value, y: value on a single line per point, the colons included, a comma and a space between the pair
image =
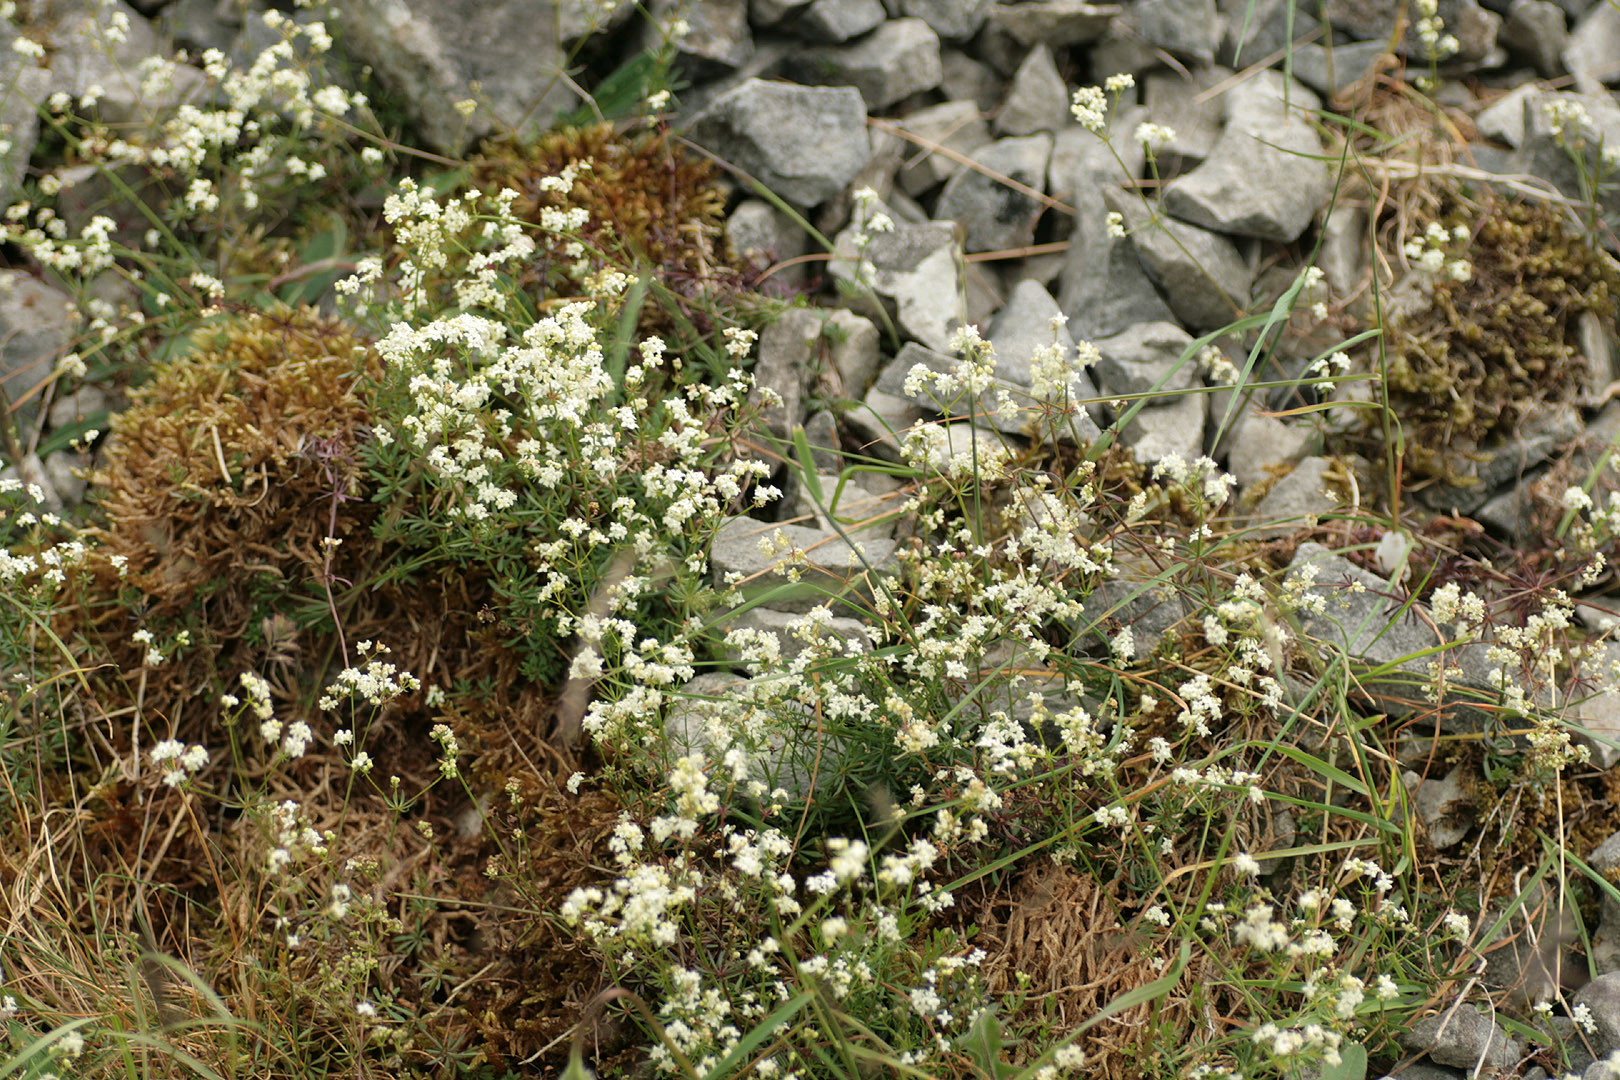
x: 953, y: 20
x: 1173, y: 429
x: 1178, y: 102
x: 1332, y: 71
x: 82, y: 54
x: 1204, y: 279
x: 839, y: 20
x: 37, y: 324
x: 436, y: 53
x: 1593, y: 55
x: 717, y: 41
x: 764, y: 236
x: 1261, y: 444
x: 1148, y: 356
x: 994, y: 215
x: 1187, y: 28
x: 787, y: 366
x: 804, y: 143
x: 1037, y: 99
x: 957, y: 126
x: 880, y: 424
x: 1602, y: 997
x: 1489, y: 467
x: 26, y: 86
x: 917, y: 267
x: 1463, y: 1037
x: 1536, y: 30
x: 1261, y: 178
x: 1058, y: 23
x: 853, y: 343
x: 898, y: 59
x: 1441, y: 804
x: 1297, y: 498
x: 768, y: 557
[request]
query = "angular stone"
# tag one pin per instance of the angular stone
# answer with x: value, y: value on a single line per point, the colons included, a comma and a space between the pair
x: 821, y: 432
x: 1136, y: 594
x: 787, y: 366
x: 1297, y: 499
x: 37, y: 325
x: 1058, y: 23
x: 1023, y: 326
x: 1260, y: 179
x: 848, y: 506
x: 964, y: 78
x: 1148, y: 356
x: 717, y: 40
x: 764, y: 236
x: 824, y: 563
x: 433, y: 54
x: 918, y: 267
x: 997, y: 217
x: 785, y: 748
x: 953, y: 20
x: 1489, y: 467
x: 898, y: 59
x: 1261, y: 444
x: 1175, y: 429
x: 1187, y: 28
x: 1593, y: 55
x: 1464, y: 1038
x: 957, y: 126
x: 1442, y: 806
x: 1037, y: 99
x: 1343, y: 254
x: 803, y: 143
x: 1536, y: 31
x: 854, y: 345
x: 27, y: 85
x: 1204, y: 279
x: 880, y: 424
x: 1330, y: 72
x: 839, y: 20
x: 1177, y: 102
x: 83, y: 54
x: 1602, y: 997
x: 1083, y: 165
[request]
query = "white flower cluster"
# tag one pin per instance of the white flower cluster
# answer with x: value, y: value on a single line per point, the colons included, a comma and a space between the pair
x: 1430, y: 251
x: 187, y: 760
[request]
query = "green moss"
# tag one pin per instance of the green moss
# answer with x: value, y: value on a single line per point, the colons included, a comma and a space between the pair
x: 1483, y: 354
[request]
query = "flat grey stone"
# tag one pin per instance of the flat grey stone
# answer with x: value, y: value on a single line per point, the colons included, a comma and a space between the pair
x: 1532, y: 442
x: 1297, y: 498
x: 839, y: 20
x: 1019, y: 329
x: 1201, y: 274
x: 787, y: 365
x: 764, y: 236
x: 957, y: 126
x: 81, y: 55
x: 1462, y: 1037
x: 1442, y: 806
x: 898, y: 59
x: 997, y: 217
x: 804, y: 143
x: 1342, y: 257
x: 1536, y: 30
x: 718, y: 40
x: 27, y: 85
x: 821, y: 432
x: 1037, y: 98
x: 1136, y: 594
x: 953, y: 20
x: 37, y: 325
x: 1261, y: 444
x: 1593, y: 55
x: 785, y: 748
x: 435, y: 53
x: 1187, y: 28
x: 1148, y: 356
x: 768, y: 13
x: 880, y: 424
x: 917, y: 267
x: 829, y: 567
x: 1330, y: 72
x: 854, y: 344
x: 1177, y: 102
x: 964, y: 78
x: 1173, y: 429
x: 1261, y: 178
x: 1058, y: 23
x: 1602, y: 997
x: 1503, y: 120
x: 1082, y: 164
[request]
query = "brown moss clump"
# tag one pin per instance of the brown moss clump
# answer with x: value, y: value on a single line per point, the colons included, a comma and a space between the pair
x: 1483, y: 356
x: 649, y: 203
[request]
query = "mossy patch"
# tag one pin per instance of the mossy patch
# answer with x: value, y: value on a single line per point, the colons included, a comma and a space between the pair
x: 1481, y: 356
